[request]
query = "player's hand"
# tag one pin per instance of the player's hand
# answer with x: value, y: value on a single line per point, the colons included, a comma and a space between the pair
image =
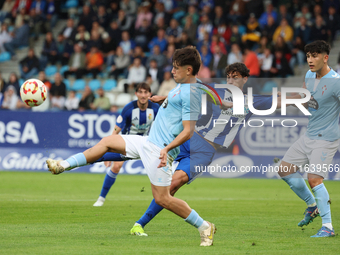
x: 107, y: 163
x: 156, y: 99
x: 226, y: 105
x: 163, y: 157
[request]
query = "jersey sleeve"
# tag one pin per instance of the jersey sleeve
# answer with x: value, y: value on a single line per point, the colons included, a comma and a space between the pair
x: 336, y: 86
x: 262, y: 102
x: 123, y: 118
x: 155, y: 108
x: 191, y: 102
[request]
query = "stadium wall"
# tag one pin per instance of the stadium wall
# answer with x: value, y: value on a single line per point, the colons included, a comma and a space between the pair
x: 27, y: 139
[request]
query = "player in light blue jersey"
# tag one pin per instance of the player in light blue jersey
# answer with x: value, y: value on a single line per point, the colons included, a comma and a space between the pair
x: 136, y: 119
x: 173, y: 126
x: 317, y: 147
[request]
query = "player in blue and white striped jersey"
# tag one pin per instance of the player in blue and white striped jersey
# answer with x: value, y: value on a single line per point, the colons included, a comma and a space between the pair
x: 317, y: 147
x: 135, y: 119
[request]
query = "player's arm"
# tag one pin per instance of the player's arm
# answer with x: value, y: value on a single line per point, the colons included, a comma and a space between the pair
x: 157, y: 99
x: 225, y: 104
x: 116, y: 130
x: 186, y: 134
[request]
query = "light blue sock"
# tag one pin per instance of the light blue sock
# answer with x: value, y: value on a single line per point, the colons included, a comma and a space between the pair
x: 150, y: 213
x: 194, y: 219
x: 299, y: 186
x: 322, y: 201
x: 77, y: 160
x: 109, y: 180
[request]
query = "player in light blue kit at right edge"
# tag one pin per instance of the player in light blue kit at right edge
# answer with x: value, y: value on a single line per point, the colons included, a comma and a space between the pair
x: 321, y: 140
x: 173, y: 126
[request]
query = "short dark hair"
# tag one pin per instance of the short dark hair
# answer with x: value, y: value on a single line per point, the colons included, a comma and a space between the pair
x: 318, y: 46
x: 237, y: 67
x: 188, y: 56
x: 143, y: 85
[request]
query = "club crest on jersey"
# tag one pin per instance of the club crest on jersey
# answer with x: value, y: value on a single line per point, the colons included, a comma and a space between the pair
x: 324, y: 88
x: 150, y: 116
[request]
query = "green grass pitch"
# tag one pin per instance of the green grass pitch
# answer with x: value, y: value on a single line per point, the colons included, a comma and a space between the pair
x: 45, y: 214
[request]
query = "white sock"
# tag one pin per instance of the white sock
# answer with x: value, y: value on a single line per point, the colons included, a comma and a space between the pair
x: 328, y: 225
x: 65, y: 164
x: 205, y: 225
x: 101, y: 198
x: 312, y: 205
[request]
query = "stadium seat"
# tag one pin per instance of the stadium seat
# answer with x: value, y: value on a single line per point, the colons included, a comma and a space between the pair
x: 134, y: 97
x: 94, y: 85
x: 111, y: 97
x: 5, y: 56
x: 120, y: 85
x: 79, y: 84
x: 123, y: 99
x: 109, y: 85
x: 21, y: 81
x: 63, y: 69
x: 51, y: 70
x: 79, y: 96
x: 71, y: 4
x: 67, y: 83
x: 267, y: 87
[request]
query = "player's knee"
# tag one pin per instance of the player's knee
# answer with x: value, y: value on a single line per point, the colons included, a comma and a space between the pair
x: 314, y: 180
x: 163, y: 201
x: 176, y: 184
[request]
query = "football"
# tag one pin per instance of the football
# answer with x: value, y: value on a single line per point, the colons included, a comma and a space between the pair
x: 33, y: 92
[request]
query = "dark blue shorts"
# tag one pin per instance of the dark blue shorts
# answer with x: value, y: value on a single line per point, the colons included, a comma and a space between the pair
x: 200, y: 155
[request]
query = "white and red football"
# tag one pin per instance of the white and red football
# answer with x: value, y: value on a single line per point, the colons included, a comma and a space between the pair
x: 33, y: 92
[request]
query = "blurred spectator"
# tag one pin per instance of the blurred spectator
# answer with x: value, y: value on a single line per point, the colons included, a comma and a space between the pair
x: 42, y: 77
x: 144, y: 14
x: 108, y: 48
x: 237, y: 10
x: 114, y: 108
x: 69, y: 31
x: 235, y: 55
x: 215, y: 40
x: 269, y: 28
x: 190, y: 28
x: 206, y: 56
x: 159, y: 40
x: 126, y: 43
x: 129, y: 7
x: 77, y: 63
x: 124, y: 21
x: 86, y: 99
x: 49, y: 52
x: 167, y: 85
x: 284, y: 14
x: 317, y: 11
x: 253, y: 32
x: 235, y: 35
x: 285, y: 31
x: 251, y: 62
x: 184, y: 40
x: 51, y: 15
x: 333, y: 22
x: 303, y: 13
x: 21, y: 4
x: 174, y: 29
x: 94, y: 62
x: 29, y: 66
x: 155, y: 72
x: 269, y: 12
x: 20, y: 18
x: 156, y: 55
x: 21, y: 36
x: 5, y: 36
x: 160, y: 13
x: 168, y: 57
x: 13, y: 80
x: 204, y: 26
x: 281, y: 45
x: 11, y: 99
x: 209, y: 3
x: 319, y: 30
x: 264, y: 43
x: 2, y: 84
x: 97, y: 28
x: 219, y: 16
x: 58, y: 93
x: 143, y: 35
x: 205, y: 42
x: 65, y: 49
x: 153, y: 84
x: 35, y: 23
x: 121, y: 63
x: 101, y: 103
x: 86, y: 18
x: 112, y: 10
x: 95, y: 40
x: 204, y: 73
x: 39, y: 6
x: 224, y: 32
x: 298, y: 53
x: 114, y: 31
x: 6, y: 9
x: 138, y: 53
x: 218, y: 63
x: 303, y: 31
x: 103, y: 17
x: 266, y: 62
x: 280, y: 66
x: 192, y: 13
x: 137, y: 74
x: 82, y: 38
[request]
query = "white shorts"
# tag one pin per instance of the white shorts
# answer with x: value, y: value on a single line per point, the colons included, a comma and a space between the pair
x: 138, y: 147
x: 316, y: 155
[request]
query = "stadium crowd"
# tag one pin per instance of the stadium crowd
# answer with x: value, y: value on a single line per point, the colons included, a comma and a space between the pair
x: 135, y: 40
